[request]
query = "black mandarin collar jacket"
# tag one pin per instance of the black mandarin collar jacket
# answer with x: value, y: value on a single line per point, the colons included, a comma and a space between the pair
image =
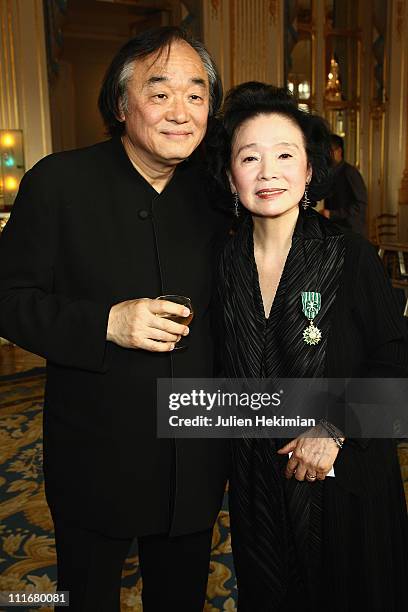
x: 88, y: 231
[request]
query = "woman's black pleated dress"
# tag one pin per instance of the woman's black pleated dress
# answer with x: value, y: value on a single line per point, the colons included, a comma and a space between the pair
x: 340, y: 544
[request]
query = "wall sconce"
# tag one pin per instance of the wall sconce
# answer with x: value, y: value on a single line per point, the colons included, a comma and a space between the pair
x: 304, y: 90
x: 11, y: 166
x: 333, y: 86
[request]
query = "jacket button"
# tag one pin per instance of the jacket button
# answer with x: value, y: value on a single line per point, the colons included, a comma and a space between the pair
x: 143, y: 214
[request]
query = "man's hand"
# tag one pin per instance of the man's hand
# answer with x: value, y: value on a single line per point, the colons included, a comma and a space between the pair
x: 313, y: 455
x: 141, y: 324
x: 325, y: 212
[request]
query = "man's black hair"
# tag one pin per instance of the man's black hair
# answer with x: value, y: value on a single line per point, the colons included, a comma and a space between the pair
x: 113, y: 95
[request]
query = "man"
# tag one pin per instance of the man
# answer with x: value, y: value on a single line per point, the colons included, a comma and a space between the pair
x: 95, y: 235
x: 347, y: 204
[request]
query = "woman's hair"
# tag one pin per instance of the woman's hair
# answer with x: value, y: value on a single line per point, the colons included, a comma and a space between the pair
x: 251, y: 99
x: 113, y: 95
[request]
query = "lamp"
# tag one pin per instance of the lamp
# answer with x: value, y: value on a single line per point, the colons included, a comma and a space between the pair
x: 11, y: 166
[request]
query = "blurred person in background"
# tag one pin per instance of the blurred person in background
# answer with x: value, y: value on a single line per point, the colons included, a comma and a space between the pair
x: 347, y: 202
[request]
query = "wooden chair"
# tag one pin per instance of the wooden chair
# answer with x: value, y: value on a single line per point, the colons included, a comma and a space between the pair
x: 386, y: 228
x: 386, y: 231
x: 398, y: 272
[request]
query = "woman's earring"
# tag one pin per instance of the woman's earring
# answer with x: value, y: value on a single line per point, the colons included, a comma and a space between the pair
x: 235, y: 201
x: 305, y: 200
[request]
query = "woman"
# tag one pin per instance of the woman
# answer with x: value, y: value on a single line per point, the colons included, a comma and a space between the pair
x: 302, y: 540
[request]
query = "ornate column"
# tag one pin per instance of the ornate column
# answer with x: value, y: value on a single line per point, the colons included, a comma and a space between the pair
x: 403, y: 200
x: 245, y: 39
x: 396, y: 121
x: 217, y: 35
x: 24, y: 100
x: 375, y: 91
x: 318, y: 53
x: 402, y: 28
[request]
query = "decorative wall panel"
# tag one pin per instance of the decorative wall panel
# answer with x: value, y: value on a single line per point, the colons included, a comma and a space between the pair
x: 24, y: 100
x: 9, y: 107
x: 246, y: 39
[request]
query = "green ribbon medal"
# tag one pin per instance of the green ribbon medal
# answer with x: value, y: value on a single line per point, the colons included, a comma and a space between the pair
x: 311, y: 303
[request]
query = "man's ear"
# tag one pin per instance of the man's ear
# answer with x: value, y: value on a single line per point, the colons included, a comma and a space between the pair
x: 121, y: 114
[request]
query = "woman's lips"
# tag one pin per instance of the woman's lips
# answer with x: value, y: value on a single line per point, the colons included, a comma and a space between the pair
x: 269, y: 194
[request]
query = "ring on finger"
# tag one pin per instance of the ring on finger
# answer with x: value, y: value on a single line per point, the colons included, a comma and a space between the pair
x: 311, y: 477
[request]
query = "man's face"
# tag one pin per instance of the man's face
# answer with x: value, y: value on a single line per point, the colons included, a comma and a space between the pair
x: 337, y: 154
x: 168, y: 104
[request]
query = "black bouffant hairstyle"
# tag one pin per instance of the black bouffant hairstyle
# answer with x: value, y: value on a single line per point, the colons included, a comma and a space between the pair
x: 251, y: 99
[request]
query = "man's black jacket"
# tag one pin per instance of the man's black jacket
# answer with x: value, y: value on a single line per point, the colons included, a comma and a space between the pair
x: 86, y: 232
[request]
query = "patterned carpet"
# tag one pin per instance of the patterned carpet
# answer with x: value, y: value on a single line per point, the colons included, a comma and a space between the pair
x: 27, y: 550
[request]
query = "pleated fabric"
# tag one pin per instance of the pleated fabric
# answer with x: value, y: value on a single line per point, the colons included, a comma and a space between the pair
x: 278, y: 526
x: 293, y: 542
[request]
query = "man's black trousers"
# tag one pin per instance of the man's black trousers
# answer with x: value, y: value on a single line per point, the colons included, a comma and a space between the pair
x: 174, y: 570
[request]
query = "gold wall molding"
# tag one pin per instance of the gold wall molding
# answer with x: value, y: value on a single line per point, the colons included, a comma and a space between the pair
x: 403, y: 22
x: 403, y: 201
x: 24, y: 102
x: 9, y: 108
x: 396, y: 122
x: 400, y: 17
x: 377, y: 112
x: 215, y: 4
x: 273, y: 11
x: 245, y: 38
x: 256, y: 42
x: 403, y: 188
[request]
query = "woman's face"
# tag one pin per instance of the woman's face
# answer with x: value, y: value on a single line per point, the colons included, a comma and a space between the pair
x: 269, y: 167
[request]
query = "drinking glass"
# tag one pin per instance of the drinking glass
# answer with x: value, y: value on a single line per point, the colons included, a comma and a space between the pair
x: 184, y: 301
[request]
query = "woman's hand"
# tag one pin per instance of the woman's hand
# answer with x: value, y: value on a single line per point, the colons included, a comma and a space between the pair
x: 314, y: 454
